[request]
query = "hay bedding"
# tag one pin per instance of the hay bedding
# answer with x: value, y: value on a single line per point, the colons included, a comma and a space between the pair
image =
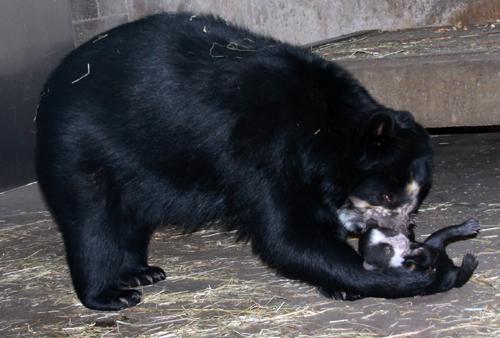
x: 216, y: 288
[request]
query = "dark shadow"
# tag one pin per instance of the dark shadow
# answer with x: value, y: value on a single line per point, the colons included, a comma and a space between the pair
x: 464, y: 130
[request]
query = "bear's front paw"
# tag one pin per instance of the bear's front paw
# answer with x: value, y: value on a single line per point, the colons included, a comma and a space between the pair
x: 146, y: 276
x: 113, y: 299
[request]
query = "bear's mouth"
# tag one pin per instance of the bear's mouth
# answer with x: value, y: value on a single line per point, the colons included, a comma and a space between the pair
x: 385, y: 208
x: 357, y: 214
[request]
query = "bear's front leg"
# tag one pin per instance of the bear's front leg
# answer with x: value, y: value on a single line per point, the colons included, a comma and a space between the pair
x: 312, y: 253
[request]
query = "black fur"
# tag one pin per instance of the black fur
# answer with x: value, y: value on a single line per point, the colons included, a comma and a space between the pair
x: 176, y: 119
x: 432, y: 254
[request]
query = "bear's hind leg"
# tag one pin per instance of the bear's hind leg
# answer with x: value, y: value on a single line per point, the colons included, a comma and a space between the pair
x: 94, y: 252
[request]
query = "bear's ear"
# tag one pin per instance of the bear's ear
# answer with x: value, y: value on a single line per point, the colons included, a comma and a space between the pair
x: 380, y: 126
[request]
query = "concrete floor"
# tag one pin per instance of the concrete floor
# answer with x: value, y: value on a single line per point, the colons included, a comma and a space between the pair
x: 217, y: 288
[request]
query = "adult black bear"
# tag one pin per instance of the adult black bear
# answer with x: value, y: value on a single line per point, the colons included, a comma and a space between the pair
x: 183, y: 119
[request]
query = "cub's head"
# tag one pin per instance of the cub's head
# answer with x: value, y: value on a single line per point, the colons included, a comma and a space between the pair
x: 394, y: 174
x: 383, y: 248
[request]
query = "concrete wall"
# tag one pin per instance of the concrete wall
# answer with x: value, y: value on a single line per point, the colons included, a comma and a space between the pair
x: 296, y: 21
x: 34, y: 36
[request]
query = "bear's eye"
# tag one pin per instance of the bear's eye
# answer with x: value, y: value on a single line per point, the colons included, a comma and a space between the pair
x: 410, y: 266
x: 386, y: 198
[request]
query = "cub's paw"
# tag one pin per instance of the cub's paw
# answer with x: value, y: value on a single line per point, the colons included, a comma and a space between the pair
x: 146, y: 276
x: 113, y: 300
x: 469, y: 264
x: 472, y: 227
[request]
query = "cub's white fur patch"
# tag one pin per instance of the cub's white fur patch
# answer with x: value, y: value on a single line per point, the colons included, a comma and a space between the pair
x: 377, y: 237
x: 369, y: 267
x: 400, y: 243
x: 351, y: 219
x: 413, y: 188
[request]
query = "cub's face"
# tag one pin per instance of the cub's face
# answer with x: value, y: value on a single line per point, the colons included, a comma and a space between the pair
x: 383, y: 248
x: 395, y: 175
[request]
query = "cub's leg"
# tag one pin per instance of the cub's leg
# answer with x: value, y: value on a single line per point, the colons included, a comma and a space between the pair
x: 465, y: 271
x: 443, y: 237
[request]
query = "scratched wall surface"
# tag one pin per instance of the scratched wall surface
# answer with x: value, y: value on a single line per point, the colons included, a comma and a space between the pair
x: 296, y: 21
x: 34, y: 36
